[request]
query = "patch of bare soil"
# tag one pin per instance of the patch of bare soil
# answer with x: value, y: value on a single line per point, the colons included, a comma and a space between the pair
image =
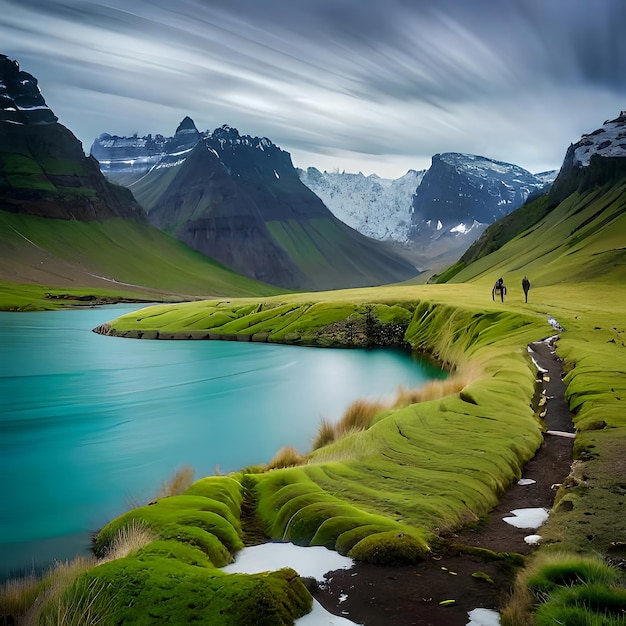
x: 411, y: 595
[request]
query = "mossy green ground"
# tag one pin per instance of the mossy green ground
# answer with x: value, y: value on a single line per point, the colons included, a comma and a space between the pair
x: 384, y: 494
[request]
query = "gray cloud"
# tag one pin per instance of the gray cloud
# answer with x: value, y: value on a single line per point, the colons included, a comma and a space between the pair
x: 356, y: 84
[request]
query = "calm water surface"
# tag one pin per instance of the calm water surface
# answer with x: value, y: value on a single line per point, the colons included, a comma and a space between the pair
x: 92, y: 425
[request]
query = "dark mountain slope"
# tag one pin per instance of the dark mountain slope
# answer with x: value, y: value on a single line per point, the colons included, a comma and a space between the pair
x: 240, y: 200
x: 63, y: 224
x: 43, y: 170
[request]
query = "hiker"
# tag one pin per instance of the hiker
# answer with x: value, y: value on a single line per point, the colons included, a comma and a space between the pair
x: 526, y: 288
x: 498, y: 287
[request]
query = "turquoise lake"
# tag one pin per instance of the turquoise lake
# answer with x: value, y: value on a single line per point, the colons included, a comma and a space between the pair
x: 91, y: 425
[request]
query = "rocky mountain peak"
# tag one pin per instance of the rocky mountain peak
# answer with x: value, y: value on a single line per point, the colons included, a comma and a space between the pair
x: 607, y: 141
x: 21, y: 101
x: 187, y: 126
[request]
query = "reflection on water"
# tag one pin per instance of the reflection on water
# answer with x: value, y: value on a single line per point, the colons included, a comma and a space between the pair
x: 91, y: 425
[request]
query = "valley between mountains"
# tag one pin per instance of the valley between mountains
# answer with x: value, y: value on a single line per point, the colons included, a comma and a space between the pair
x: 231, y: 242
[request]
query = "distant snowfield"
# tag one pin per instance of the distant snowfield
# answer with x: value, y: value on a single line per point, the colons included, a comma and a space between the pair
x: 380, y: 208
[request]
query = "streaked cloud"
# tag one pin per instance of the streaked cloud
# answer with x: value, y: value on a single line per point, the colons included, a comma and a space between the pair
x: 350, y: 84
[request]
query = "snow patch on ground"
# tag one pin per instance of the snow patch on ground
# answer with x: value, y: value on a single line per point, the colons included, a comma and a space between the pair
x: 483, y: 617
x: 527, y: 518
x: 526, y: 481
x: 314, y: 562
x: 532, y: 540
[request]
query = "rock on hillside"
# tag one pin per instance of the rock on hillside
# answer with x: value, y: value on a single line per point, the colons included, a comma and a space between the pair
x: 43, y: 170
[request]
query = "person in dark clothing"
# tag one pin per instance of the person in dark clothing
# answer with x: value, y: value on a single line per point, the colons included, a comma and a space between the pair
x: 526, y: 288
x: 498, y: 288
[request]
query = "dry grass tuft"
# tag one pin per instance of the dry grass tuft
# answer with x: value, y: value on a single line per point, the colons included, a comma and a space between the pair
x: 177, y: 483
x: 128, y: 539
x: 433, y: 390
x: 17, y: 595
x: 51, y: 588
x: 86, y: 607
x: 325, y: 435
x: 286, y: 457
x: 358, y: 416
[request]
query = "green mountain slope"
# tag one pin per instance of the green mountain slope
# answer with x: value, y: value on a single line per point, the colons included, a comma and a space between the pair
x: 240, y: 200
x: 581, y: 238
x: 119, y: 255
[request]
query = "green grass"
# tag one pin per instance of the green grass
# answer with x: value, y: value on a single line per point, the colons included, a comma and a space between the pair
x: 560, y: 587
x: 113, y: 258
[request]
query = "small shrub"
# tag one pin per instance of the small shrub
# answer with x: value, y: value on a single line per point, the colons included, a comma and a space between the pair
x: 585, y: 605
x: 177, y: 483
x: 287, y: 456
x: 325, y: 434
x: 573, y: 570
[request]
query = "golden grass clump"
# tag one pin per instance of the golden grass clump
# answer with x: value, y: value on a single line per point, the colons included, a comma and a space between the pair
x: 358, y: 416
x: 51, y: 587
x: 129, y: 539
x: 177, y: 483
x: 325, y: 434
x: 287, y: 456
x: 432, y: 390
x: 17, y: 595
x: 84, y: 607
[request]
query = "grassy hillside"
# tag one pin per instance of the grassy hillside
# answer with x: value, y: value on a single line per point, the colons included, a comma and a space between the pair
x: 557, y: 237
x: 113, y: 258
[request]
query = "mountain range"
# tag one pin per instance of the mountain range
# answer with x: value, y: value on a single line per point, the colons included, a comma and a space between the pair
x: 65, y: 226
x: 576, y: 229
x: 239, y: 199
x: 436, y: 213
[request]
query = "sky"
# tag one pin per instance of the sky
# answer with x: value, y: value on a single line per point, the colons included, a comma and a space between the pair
x: 376, y: 86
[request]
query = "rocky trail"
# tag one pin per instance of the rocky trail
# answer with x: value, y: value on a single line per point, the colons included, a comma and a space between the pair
x: 411, y: 595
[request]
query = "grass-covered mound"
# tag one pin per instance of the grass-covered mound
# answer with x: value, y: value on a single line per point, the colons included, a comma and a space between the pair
x: 381, y: 494
x: 561, y: 587
x: 175, y: 577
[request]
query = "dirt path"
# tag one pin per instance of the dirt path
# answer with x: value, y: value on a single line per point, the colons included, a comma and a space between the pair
x: 410, y: 595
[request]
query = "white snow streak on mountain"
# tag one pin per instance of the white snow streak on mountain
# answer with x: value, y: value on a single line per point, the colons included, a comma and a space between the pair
x: 377, y: 207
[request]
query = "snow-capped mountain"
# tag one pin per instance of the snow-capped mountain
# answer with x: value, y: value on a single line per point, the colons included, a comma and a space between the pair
x: 21, y: 101
x: 126, y: 159
x: 239, y: 200
x: 547, y: 178
x: 608, y: 141
x: 595, y: 158
x: 466, y: 188
x: 380, y: 208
